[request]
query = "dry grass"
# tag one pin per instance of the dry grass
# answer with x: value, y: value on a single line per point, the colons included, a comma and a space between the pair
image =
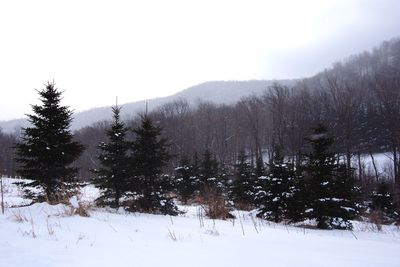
x: 172, y: 235
x: 83, y: 210
x: 215, y: 206
x: 244, y: 206
x: 19, y: 216
x: 376, y: 217
x: 63, y: 196
x: 50, y: 228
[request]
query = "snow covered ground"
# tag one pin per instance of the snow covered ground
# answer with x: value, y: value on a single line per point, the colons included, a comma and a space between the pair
x: 44, y: 235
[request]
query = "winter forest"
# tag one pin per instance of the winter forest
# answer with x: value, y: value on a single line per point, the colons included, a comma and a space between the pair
x: 293, y: 156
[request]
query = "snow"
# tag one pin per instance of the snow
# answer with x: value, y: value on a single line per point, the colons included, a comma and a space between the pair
x: 347, y: 208
x: 49, y: 235
x: 383, y: 162
x: 74, y: 202
x: 318, y: 136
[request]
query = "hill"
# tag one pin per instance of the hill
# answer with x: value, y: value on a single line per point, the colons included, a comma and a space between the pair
x: 218, y: 92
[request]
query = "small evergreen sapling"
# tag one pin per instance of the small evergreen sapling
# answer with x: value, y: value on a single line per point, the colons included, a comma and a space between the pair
x: 382, y: 202
x: 196, y: 175
x: 209, y: 174
x: 185, y: 180
x: 242, y: 189
x: 298, y: 199
x: 278, y: 190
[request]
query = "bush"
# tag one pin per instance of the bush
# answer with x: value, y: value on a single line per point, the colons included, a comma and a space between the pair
x: 215, y: 205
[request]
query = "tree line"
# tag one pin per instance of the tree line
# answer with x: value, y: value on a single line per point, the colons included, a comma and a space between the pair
x: 358, y: 99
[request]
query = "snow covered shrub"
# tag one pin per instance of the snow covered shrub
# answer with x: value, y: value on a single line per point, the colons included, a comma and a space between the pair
x: 382, y: 203
x: 186, y: 180
x: 155, y: 203
x: 340, y: 223
x: 276, y: 190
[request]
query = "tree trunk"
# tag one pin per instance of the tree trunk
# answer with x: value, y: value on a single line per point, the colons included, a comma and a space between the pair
x: 395, y: 166
x: 374, y: 165
x: 360, y: 170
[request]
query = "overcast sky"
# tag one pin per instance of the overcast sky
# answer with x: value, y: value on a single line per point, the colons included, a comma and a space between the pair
x: 96, y: 50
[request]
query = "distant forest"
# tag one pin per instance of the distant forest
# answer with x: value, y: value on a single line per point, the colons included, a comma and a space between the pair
x: 358, y: 99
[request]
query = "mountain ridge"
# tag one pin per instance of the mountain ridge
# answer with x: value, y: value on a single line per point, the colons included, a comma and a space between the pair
x: 218, y: 92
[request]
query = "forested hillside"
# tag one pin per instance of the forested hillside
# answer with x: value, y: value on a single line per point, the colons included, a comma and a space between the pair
x: 358, y: 98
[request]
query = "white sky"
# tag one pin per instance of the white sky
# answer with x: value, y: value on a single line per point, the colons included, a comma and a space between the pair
x: 96, y: 50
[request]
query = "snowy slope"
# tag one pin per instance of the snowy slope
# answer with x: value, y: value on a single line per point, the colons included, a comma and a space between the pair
x: 45, y: 235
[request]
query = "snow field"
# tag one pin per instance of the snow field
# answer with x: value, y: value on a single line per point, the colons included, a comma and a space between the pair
x: 46, y: 235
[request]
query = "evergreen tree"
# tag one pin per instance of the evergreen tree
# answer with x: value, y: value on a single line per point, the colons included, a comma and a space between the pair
x: 382, y: 201
x: 278, y: 190
x: 329, y: 185
x: 297, y: 198
x: 150, y: 154
x: 196, y: 174
x: 186, y: 180
x: 47, y: 149
x: 260, y: 182
x: 260, y: 170
x: 113, y: 174
x: 209, y: 177
x: 242, y: 192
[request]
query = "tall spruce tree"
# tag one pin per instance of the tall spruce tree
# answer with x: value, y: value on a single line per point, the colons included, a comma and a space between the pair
x: 329, y: 184
x: 47, y: 149
x: 113, y: 174
x: 150, y: 154
x: 278, y: 190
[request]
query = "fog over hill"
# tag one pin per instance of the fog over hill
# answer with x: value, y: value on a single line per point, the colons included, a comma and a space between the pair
x: 218, y: 92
